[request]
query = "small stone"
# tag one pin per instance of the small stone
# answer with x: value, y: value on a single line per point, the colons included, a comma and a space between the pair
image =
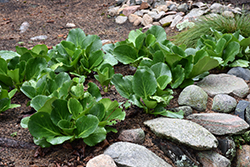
x: 172, y: 7
x: 24, y: 26
x: 144, y: 5
x: 101, y: 160
x: 132, y: 135
x: 40, y: 37
x: 194, y: 13
x: 182, y: 8
x: 186, y: 109
x: 113, y: 11
x: 156, y: 16
x: 176, y: 20
x: 70, y: 25
x: 216, y: 7
x: 139, y: 13
x: 138, y: 2
x: 119, y: 2
x: 227, y: 147
x: 247, y: 114
x: 121, y: 19
x: 243, y: 156
x: 146, y: 20
x: 159, y: 3
x: 243, y: 73
x: 137, y: 21
x: 228, y: 14
x: 171, y: 13
x: 132, y: 18
x: 130, y: 10
x: 156, y: 24
x: 240, y: 108
x: 147, y: 26
x: 166, y: 21
x: 194, y: 97
x: 223, y: 103
x: 211, y: 158
x: 163, y: 8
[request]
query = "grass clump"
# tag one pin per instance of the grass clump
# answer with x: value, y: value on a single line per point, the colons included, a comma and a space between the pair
x: 220, y: 23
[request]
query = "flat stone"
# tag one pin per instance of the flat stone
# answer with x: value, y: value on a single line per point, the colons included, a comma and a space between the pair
x: 223, y: 103
x: 183, y: 131
x: 167, y: 20
x: 132, y: 135
x: 219, y: 123
x: 156, y: 16
x: 212, y: 158
x: 240, y: 108
x: 172, y: 7
x: 182, y: 7
x: 163, y: 8
x: 194, y: 97
x: 137, y: 21
x: 121, y: 19
x: 101, y: 160
x: 39, y: 37
x: 243, y: 156
x: 240, y: 72
x: 132, y: 18
x: 194, y: 13
x: 176, y: 20
x: 130, y: 10
x: 144, y: 5
x: 133, y: 155
x: 215, y: 84
x: 146, y: 20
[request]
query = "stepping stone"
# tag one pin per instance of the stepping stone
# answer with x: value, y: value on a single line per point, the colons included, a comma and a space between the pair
x: 134, y: 155
x: 240, y: 72
x: 215, y: 84
x: 184, y: 132
x: 220, y: 124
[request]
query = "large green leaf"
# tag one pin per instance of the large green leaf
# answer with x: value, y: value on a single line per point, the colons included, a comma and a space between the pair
x: 123, y: 85
x: 38, y: 101
x: 232, y: 49
x: 66, y: 126
x: 40, y: 125
x: 132, y: 36
x: 29, y: 91
x: 144, y: 82
x: 178, y: 76
x: 4, y: 104
x: 158, y: 32
x: 60, y: 111
x: 86, y: 125
x: 41, y: 51
x: 75, y: 107
x: 94, y: 91
x: 95, y: 59
x: 7, y: 54
x: 3, y: 66
x: 76, y: 36
x: 98, y: 136
x: 125, y: 54
x: 34, y: 67
x: 98, y: 110
x: 77, y: 90
x: 58, y: 140
x: 94, y: 45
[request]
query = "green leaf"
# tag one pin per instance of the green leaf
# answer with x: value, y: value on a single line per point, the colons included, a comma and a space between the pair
x: 244, y: 43
x: 12, y: 93
x: 178, y: 50
x: 38, y: 101
x: 29, y: 91
x: 171, y: 114
x: 34, y: 67
x: 4, y: 104
x: 144, y: 83
x: 125, y: 54
x: 41, y: 142
x: 98, y: 136
x: 94, y: 91
x: 150, y: 103
x: 158, y: 32
x: 3, y: 66
x: 47, y: 107
x: 95, y: 59
x: 240, y: 63
x: 60, y: 111
x: 58, y: 140
x: 41, y: 51
x: 178, y: 76
x: 150, y: 40
x: 7, y: 54
x: 123, y: 85
x: 98, y: 110
x: 76, y: 36
x: 75, y: 107
x: 40, y: 125
x: 66, y: 126
x: 230, y: 52
x: 133, y: 35
x: 77, y: 90
x: 24, y: 122
x: 86, y: 125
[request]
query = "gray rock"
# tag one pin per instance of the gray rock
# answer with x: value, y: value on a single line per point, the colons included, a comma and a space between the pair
x: 176, y: 20
x: 228, y: 14
x: 211, y: 158
x: 193, y: 96
x: 243, y: 156
x: 186, y: 109
x: 119, y: 2
x: 132, y: 135
x: 101, y: 160
x: 121, y: 19
x: 243, y: 73
x: 215, y: 84
x: 146, y: 20
x: 194, y: 13
x: 200, y: 5
x: 172, y: 7
x: 240, y: 108
x: 127, y: 154
x: 159, y: 3
x: 247, y: 114
x: 183, y: 131
x: 220, y: 124
x: 138, y: 2
x: 227, y: 147
x: 223, y: 103
x: 216, y: 8
x: 113, y: 11
x: 40, y: 37
x: 156, y: 16
x: 166, y: 21
x: 182, y: 8
x: 24, y: 26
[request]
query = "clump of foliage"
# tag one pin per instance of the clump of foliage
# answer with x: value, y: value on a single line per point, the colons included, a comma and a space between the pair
x: 5, y: 99
x: 242, y: 139
x: 220, y: 23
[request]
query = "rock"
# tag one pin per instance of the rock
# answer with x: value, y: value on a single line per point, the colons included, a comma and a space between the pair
x: 176, y: 154
x: 137, y: 21
x: 185, y: 24
x: 131, y: 2
x: 159, y: 3
x: 243, y: 73
x: 70, y: 25
x: 130, y: 10
x: 40, y: 37
x: 166, y: 21
x: 243, y: 156
x: 247, y: 114
x: 194, y: 13
x: 144, y: 5
x: 200, y: 5
x: 138, y: 2
x: 140, y: 13
x: 240, y: 108
x: 24, y: 26
x: 147, y: 26
x: 146, y: 20
x: 113, y: 11
x: 186, y: 109
x: 132, y: 18
x: 121, y: 19
x: 172, y: 7
x: 176, y: 20
x: 134, y: 155
x: 215, y: 84
x: 183, y: 131
x: 101, y: 160
x: 223, y: 103
x: 156, y: 23
x: 156, y: 16
x: 228, y: 14
x: 213, y: 159
x: 182, y: 8
x: 132, y: 135
x: 219, y: 123
x: 227, y: 147
x: 119, y: 2
x: 163, y: 8
x: 194, y: 97
x: 216, y: 7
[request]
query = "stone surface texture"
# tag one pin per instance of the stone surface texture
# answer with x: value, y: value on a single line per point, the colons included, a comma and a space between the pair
x: 219, y: 123
x: 240, y: 72
x: 101, y: 161
x: 243, y: 156
x: 213, y: 159
x: 132, y: 135
x: 184, y: 132
x: 223, y: 103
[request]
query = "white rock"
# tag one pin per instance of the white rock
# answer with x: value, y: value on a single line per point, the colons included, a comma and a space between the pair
x: 121, y: 19
x: 137, y: 21
x: 176, y: 20
x: 146, y: 20
x: 167, y: 20
x: 70, y: 25
x: 40, y: 37
x: 113, y: 11
x: 24, y: 26
x: 101, y: 160
x: 132, y: 18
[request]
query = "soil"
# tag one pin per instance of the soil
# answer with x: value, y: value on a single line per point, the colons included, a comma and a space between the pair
x: 49, y: 17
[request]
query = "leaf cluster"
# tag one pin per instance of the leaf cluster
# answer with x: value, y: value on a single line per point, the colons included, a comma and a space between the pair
x: 5, y: 99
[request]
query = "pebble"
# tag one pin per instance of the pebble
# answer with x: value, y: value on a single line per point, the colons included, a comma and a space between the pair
x: 24, y: 26
x: 40, y: 37
x: 101, y: 160
x: 121, y: 19
x: 146, y: 20
x: 70, y: 25
x: 132, y: 135
x: 212, y: 158
x: 243, y: 73
x: 223, y: 103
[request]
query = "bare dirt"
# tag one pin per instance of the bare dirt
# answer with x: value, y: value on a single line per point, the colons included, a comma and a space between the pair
x: 49, y: 17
